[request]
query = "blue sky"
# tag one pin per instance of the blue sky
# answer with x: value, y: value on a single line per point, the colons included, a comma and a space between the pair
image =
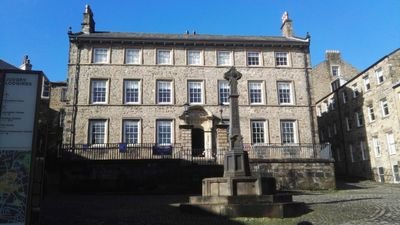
x: 363, y: 30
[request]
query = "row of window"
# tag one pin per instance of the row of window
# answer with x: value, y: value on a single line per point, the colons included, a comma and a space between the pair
x: 395, y: 171
x: 193, y: 57
x: 196, y: 92
x: 131, y: 131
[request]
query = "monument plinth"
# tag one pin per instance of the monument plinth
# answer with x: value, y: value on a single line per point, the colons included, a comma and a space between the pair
x: 237, y: 193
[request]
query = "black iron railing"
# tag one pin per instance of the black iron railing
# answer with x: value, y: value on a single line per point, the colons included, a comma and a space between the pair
x: 122, y: 151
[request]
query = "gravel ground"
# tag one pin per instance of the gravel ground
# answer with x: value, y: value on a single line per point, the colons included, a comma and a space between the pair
x: 357, y: 203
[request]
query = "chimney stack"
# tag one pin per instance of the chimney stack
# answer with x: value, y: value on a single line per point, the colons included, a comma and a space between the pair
x: 26, y: 63
x: 88, y: 22
x: 287, y: 30
x: 332, y: 55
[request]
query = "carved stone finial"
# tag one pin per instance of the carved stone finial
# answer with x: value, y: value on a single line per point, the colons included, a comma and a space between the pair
x: 285, y: 17
x: 232, y: 74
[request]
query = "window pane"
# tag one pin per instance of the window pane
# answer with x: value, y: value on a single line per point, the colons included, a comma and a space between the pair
x: 253, y: 58
x: 195, y: 91
x: 281, y: 58
x: 224, y: 58
x: 257, y: 132
x: 284, y: 90
x: 97, y: 131
x: 255, y: 92
x: 194, y: 57
x: 100, y: 55
x: 164, y: 129
x: 131, y: 131
x: 132, y: 56
x: 164, y: 91
x: 164, y: 57
x: 99, y: 91
x: 224, y: 91
x: 288, y: 132
x: 131, y: 91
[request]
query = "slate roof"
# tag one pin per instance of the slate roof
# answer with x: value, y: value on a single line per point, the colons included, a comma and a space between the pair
x: 6, y: 66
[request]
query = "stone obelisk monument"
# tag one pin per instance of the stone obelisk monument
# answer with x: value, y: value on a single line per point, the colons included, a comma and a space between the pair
x: 238, y: 193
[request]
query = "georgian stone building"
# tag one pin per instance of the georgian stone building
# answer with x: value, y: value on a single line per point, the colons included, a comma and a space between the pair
x: 361, y: 121
x: 132, y: 87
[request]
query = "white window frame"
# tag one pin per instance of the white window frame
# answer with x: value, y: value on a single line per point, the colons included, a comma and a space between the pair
x: 221, y: 59
x: 198, y: 83
x: 379, y: 76
x: 371, y: 113
x: 160, y: 57
x: 364, y: 155
x: 224, y: 91
x: 135, y: 122
x: 391, y: 143
x: 101, y: 60
x: 351, y: 150
x: 367, y: 83
x: 337, y: 70
x: 285, y: 134
x: 165, y: 122
x: 380, y: 175
x: 345, y: 97
x: 377, y: 147
x: 256, y: 55
x: 348, y: 123
x: 356, y: 91
x: 384, y: 108
x: 190, y: 57
x: 359, y: 119
x: 45, y: 93
x: 251, y: 84
x: 283, y: 96
x: 126, y: 100
x: 281, y: 59
x: 258, y: 129
x: 160, y: 84
x: 94, y: 91
x: 396, y: 175
x: 129, y: 58
x: 334, y: 129
x: 92, y: 133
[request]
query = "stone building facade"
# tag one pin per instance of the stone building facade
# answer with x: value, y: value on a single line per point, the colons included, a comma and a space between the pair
x: 361, y: 121
x: 133, y: 88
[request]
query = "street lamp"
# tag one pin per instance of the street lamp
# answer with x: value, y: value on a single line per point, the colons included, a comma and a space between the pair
x: 186, y: 112
x: 221, y: 109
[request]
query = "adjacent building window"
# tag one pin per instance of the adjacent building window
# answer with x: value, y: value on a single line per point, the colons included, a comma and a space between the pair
x: 348, y: 123
x: 131, y: 131
x: 396, y: 175
x: 377, y: 146
x: 63, y: 94
x: 332, y: 103
x: 223, y: 91
x: 345, y: 97
x: 371, y: 114
x: 164, y: 57
x: 195, y: 92
x: 391, y: 144
x: 253, y: 58
x: 100, y: 55
x: 334, y: 129
x: 335, y: 71
x: 381, y: 174
x: 356, y: 92
x: 379, y: 75
x: 351, y: 153
x: 384, y: 107
x: 132, y: 56
x: 285, y: 93
x: 255, y: 92
x: 97, y: 131
x: 164, y: 132
x: 45, y: 89
x: 164, y: 92
x: 364, y: 154
x: 258, y: 132
x: 98, y: 91
x: 131, y: 91
x: 224, y: 58
x: 281, y: 59
x: 359, y: 119
x: 367, y: 85
x: 194, y: 57
x: 288, y: 131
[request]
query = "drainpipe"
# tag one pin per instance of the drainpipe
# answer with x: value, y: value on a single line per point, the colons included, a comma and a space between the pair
x: 75, y: 93
x: 343, y: 146
x: 309, y: 99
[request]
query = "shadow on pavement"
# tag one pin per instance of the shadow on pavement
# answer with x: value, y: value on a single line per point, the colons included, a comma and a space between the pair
x: 77, y: 209
x: 340, y: 201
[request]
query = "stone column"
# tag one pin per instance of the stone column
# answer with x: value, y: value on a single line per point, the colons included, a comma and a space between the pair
x: 222, y: 141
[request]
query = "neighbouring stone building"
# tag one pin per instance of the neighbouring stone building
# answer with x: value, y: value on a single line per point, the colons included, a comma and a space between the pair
x: 132, y: 88
x: 361, y: 121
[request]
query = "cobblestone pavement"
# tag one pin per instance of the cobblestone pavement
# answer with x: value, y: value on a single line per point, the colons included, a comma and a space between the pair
x: 362, y: 203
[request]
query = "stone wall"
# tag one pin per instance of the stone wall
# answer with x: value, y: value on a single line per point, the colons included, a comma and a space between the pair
x: 297, y: 174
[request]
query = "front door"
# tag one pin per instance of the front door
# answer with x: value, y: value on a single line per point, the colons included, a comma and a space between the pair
x: 197, y: 142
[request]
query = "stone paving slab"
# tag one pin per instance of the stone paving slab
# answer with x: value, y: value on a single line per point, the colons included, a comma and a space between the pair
x: 361, y: 203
